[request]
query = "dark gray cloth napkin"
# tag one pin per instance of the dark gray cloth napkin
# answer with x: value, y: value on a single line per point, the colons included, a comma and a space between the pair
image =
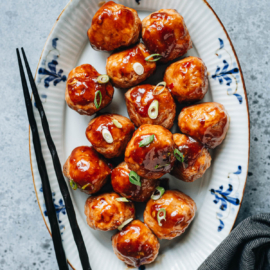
x: 246, y: 248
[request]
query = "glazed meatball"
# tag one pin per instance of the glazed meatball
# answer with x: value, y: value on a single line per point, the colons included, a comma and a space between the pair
x: 146, y: 105
x: 175, y: 209
x: 105, y: 213
x: 122, y: 185
x: 164, y: 32
x: 135, y: 245
x: 114, y: 26
x: 207, y: 123
x: 187, y: 79
x: 129, y: 68
x: 109, y: 134
x: 87, y: 169
x: 83, y: 89
x: 150, y: 151
x: 196, y: 158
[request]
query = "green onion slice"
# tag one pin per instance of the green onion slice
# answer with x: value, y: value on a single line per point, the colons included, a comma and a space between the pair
x: 85, y: 186
x: 100, y: 99
x: 107, y: 136
x: 122, y: 199
x: 161, y: 215
x: 117, y: 123
x: 103, y: 78
x: 146, y: 141
x: 179, y: 156
x: 161, y: 166
x: 160, y: 191
x: 124, y: 224
x: 157, y: 55
x: 73, y: 185
x: 134, y: 178
x: 156, y: 92
x: 153, y: 110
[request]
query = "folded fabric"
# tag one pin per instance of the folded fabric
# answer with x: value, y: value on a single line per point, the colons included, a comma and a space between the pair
x: 246, y: 248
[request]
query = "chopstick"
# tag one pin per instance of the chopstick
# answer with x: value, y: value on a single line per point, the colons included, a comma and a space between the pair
x: 56, y: 162
x: 56, y: 235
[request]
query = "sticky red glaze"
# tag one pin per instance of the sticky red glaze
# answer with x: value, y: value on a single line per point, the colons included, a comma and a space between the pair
x: 207, y: 122
x: 152, y: 155
x: 124, y: 186
x: 83, y: 86
x: 142, y: 96
x: 172, y: 219
x: 107, y: 24
x: 133, y: 55
x: 121, y: 184
x: 120, y: 136
x: 160, y: 37
x: 187, y: 79
x: 100, y: 123
x: 85, y: 166
x: 165, y: 32
x: 107, y: 211
x: 187, y: 71
x: 136, y: 244
x: 190, y: 150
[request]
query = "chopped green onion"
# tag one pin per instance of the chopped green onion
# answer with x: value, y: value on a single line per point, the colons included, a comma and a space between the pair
x: 124, y: 224
x: 134, y: 178
x: 107, y: 135
x: 146, y: 141
x: 179, y: 156
x: 160, y: 218
x: 138, y: 68
x: 85, y: 186
x: 73, y: 185
x: 155, y: 92
x: 117, y: 123
x: 152, y: 56
x: 153, y: 110
x: 122, y: 199
x: 160, y: 166
x: 160, y: 191
x: 103, y: 78
x: 100, y: 99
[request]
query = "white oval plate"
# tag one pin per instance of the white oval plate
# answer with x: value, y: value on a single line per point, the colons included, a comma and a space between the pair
x: 218, y: 194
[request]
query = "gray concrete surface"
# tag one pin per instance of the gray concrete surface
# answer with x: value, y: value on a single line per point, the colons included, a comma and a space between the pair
x: 24, y: 240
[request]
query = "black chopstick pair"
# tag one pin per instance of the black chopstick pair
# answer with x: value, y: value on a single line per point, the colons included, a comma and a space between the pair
x: 56, y: 236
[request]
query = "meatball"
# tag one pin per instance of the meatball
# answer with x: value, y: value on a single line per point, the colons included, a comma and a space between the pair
x: 135, y: 245
x: 86, y: 169
x: 129, y: 68
x: 207, y: 123
x: 164, y: 32
x: 146, y: 106
x: 83, y: 89
x: 187, y: 79
x: 196, y: 158
x: 114, y: 26
x: 105, y: 213
x: 150, y: 151
x: 122, y: 185
x: 109, y: 134
x: 175, y: 209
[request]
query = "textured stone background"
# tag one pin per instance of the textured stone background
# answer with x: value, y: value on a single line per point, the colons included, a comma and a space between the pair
x: 24, y: 240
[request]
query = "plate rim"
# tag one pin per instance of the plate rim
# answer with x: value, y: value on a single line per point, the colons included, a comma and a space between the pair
x: 244, y: 88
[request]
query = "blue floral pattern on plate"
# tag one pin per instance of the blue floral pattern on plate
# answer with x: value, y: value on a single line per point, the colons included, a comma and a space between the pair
x: 60, y: 208
x: 228, y: 74
x: 50, y: 72
x: 226, y: 197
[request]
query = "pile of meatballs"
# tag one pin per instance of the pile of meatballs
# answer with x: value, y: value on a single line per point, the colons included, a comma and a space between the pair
x: 150, y: 151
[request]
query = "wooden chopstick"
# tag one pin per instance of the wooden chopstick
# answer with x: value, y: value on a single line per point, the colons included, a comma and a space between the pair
x: 56, y: 235
x: 59, y: 174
